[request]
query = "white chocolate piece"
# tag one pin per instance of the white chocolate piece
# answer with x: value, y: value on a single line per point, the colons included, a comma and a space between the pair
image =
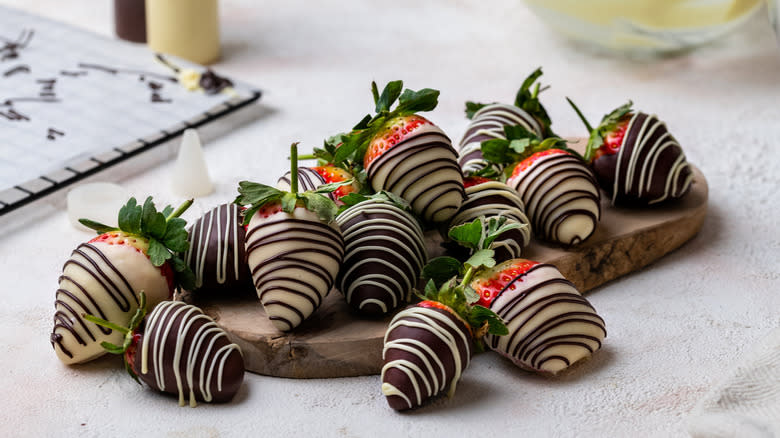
x: 190, y: 176
x: 102, y: 280
x: 294, y: 259
x: 99, y: 201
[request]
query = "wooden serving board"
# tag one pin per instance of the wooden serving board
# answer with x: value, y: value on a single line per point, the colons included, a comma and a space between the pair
x: 335, y: 342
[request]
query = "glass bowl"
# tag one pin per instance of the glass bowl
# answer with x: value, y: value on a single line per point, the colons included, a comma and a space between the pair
x: 644, y: 26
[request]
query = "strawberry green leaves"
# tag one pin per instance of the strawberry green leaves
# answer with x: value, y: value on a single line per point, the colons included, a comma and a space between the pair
x: 256, y: 195
x: 164, y: 230
x: 472, y: 108
x: 349, y: 155
x: 527, y: 98
x: 608, y: 124
x: 442, y: 273
x: 135, y: 322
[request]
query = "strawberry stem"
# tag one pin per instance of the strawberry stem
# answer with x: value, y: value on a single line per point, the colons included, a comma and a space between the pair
x: 307, y: 157
x: 179, y: 211
x: 468, y: 276
x: 106, y: 324
x: 582, y: 117
x: 294, y: 167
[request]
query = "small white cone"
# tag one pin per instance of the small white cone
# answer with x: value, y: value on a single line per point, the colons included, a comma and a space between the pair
x: 190, y: 177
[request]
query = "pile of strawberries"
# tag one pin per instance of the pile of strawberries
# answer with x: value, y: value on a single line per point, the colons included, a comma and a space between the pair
x: 356, y: 221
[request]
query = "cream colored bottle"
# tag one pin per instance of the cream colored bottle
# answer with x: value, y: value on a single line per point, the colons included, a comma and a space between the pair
x: 185, y: 28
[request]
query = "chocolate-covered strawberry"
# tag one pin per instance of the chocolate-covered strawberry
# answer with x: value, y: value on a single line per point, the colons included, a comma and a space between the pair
x: 488, y: 122
x: 216, y: 253
x: 179, y: 350
x: 427, y: 346
x: 293, y: 247
x: 635, y: 158
x: 385, y: 253
x: 312, y: 178
x: 404, y: 153
x: 560, y: 193
x: 103, y: 277
x: 551, y: 325
x: 488, y: 198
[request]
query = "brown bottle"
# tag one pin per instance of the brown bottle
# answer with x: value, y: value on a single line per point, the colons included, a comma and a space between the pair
x: 130, y: 20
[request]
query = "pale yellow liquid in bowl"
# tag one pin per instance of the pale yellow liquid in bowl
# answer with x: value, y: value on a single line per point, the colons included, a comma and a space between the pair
x: 652, y: 25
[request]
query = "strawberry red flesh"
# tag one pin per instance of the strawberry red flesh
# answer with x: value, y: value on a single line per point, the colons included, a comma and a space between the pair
x: 141, y: 245
x: 393, y: 132
x: 525, y: 164
x: 614, y: 139
x: 333, y: 174
x: 471, y: 181
x: 490, y: 283
x: 131, y: 349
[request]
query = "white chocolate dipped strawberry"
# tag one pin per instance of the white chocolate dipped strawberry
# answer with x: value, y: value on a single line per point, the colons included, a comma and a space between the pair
x: 551, y: 325
x: 103, y: 277
x: 404, y: 153
x: 293, y: 247
x: 560, y: 193
x: 488, y: 122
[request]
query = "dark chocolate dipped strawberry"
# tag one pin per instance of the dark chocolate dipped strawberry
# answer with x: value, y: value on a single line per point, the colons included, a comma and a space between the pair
x: 488, y: 198
x: 385, y: 253
x: 488, y: 122
x: 104, y: 276
x: 312, y: 178
x: 177, y: 349
x: 293, y: 246
x: 216, y: 253
x: 404, y: 153
x: 560, y: 193
x: 635, y: 158
x: 551, y: 325
x: 427, y: 346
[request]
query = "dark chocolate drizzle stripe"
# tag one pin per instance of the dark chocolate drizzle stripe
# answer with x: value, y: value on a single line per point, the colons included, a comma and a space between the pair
x: 546, y: 317
x: 216, y: 253
x: 90, y: 261
x: 184, y: 352
x: 425, y: 352
x: 491, y: 199
x: 651, y: 164
x: 385, y: 253
x: 486, y: 124
x: 215, y: 113
x: 300, y: 252
x: 308, y: 179
x: 423, y: 170
x: 554, y: 189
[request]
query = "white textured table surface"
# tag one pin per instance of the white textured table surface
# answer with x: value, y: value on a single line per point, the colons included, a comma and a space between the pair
x: 675, y: 328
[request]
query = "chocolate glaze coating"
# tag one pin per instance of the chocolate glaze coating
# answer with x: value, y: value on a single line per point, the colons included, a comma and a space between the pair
x: 650, y: 166
x: 488, y: 123
x: 184, y: 352
x: 492, y: 199
x: 294, y: 259
x: 425, y: 352
x: 423, y: 170
x: 551, y: 326
x: 308, y: 179
x: 385, y: 253
x: 561, y: 197
x: 217, y: 256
